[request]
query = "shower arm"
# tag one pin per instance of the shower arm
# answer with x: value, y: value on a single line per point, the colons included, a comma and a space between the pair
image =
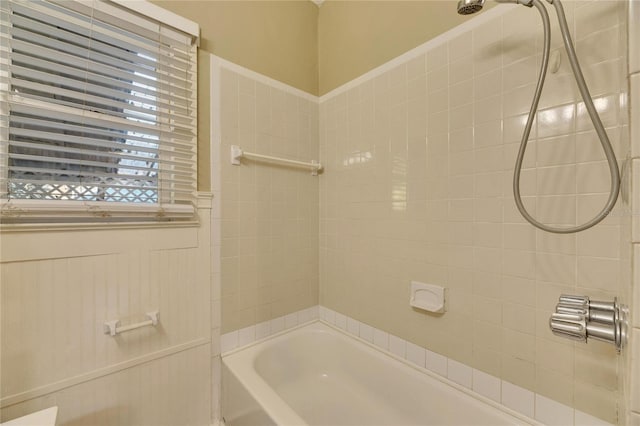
x: 593, y: 115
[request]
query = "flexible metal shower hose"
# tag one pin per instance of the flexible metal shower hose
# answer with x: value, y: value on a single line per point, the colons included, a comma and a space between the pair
x: 593, y: 114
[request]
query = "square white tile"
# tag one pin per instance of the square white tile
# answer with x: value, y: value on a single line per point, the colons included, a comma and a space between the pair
x: 459, y: 373
x: 397, y: 346
x: 518, y: 399
x: 366, y: 332
x: 291, y: 320
x: 304, y: 316
x: 486, y: 385
x: 229, y: 341
x: 341, y: 321
x: 263, y: 330
x: 584, y: 419
x: 381, y: 339
x: 436, y: 363
x: 353, y: 326
x: 416, y: 354
x: 324, y: 313
x: 552, y: 413
x: 246, y: 335
x: 331, y: 316
x: 277, y: 325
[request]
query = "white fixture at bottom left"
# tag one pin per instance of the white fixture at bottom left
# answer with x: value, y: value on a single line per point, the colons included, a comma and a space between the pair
x: 46, y: 417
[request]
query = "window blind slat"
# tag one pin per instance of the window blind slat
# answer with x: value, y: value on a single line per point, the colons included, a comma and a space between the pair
x: 122, y: 19
x: 90, y: 38
x: 27, y: 106
x: 128, y: 155
x: 148, y: 103
x: 161, y: 73
x: 101, y: 79
x: 90, y: 139
x: 178, y: 171
x: 56, y: 57
x: 68, y: 18
x: 97, y: 103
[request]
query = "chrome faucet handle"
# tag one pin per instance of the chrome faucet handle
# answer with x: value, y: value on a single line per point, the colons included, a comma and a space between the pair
x: 571, y: 300
x: 604, y: 306
x: 562, y: 308
x: 572, y: 326
x: 578, y: 318
x: 568, y: 299
x: 603, y: 312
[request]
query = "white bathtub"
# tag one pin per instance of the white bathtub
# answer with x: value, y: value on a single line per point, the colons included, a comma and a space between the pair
x: 316, y: 375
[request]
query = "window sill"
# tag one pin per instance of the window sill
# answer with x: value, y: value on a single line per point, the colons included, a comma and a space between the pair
x: 87, y: 226
x: 39, y: 215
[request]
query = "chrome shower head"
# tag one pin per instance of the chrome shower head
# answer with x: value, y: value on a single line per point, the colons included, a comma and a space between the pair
x: 467, y: 7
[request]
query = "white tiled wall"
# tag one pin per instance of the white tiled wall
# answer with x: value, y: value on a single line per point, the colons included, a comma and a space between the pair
x: 266, y: 215
x: 419, y: 160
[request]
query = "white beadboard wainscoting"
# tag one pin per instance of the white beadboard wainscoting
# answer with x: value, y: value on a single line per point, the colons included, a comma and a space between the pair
x: 59, y: 286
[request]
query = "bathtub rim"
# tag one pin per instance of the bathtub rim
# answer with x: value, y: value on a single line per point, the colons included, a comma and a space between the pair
x: 295, y: 419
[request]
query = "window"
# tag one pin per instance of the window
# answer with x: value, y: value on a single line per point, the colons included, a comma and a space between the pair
x: 98, y: 112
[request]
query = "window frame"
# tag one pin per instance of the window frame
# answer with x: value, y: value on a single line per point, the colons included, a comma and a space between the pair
x: 16, y: 213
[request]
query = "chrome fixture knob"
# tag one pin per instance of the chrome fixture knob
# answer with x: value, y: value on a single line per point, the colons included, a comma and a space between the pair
x: 573, y: 300
x: 579, y: 318
x: 572, y: 326
x: 593, y: 310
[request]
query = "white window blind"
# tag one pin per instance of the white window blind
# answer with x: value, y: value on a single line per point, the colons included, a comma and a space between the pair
x: 98, y: 112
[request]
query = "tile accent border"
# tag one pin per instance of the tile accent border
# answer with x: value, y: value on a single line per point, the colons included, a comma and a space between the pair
x: 249, y: 335
x: 516, y: 398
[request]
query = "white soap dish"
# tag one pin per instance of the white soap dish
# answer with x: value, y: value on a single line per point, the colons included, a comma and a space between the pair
x: 428, y: 297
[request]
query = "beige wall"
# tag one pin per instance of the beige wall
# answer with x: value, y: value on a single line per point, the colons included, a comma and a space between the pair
x: 56, y: 290
x: 357, y: 36
x: 274, y: 38
x: 419, y: 164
